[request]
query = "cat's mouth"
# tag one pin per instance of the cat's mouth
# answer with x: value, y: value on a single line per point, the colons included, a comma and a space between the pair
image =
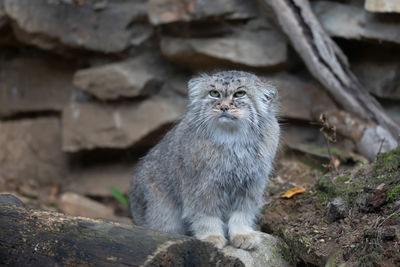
x: 224, y: 116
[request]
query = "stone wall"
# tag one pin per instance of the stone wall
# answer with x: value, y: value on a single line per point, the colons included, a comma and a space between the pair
x: 87, y: 86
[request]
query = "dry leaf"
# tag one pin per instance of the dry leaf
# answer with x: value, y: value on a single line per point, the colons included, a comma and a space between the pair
x: 294, y: 191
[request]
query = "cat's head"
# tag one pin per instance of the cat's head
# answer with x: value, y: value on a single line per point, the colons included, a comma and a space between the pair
x: 231, y: 100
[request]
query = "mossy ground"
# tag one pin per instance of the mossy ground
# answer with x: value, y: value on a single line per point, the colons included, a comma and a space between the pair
x: 369, y: 236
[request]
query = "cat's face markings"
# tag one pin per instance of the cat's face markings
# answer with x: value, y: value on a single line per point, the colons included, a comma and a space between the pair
x: 240, y: 98
x: 228, y: 99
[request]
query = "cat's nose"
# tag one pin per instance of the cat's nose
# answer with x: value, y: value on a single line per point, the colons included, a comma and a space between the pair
x: 224, y: 107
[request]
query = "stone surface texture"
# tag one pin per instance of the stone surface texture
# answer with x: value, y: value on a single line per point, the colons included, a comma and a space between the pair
x: 30, y: 151
x: 380, y: 77
x: 168, y: 11
x: 99, y: 125
x: 107, y: 28
x: 256, y: 45
x: 353, y: 22
x: 76, y: 205
x: 382, y: 5
x: 271, y: 252
x: 300, y: 97
x: 140, y: 76
x: 32, y: 84
x: 337, y: 209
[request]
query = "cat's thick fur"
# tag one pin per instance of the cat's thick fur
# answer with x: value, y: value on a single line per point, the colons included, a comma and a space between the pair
x: 208, y: 174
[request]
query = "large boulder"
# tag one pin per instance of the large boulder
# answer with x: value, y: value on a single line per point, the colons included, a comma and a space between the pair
x: 31, y: 151
x: 107, y: 26
x: 137, y: 77
x: 353, y: 22
x: 168, y: 11
x: 89, y: 125
x: 34, y: 83
x: 257, y: 45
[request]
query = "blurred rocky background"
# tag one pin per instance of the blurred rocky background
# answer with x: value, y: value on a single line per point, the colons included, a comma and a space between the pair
x: 88, y: 86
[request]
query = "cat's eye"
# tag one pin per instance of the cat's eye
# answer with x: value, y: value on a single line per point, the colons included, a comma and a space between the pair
x: 239, y: 94
x: 214, y: 93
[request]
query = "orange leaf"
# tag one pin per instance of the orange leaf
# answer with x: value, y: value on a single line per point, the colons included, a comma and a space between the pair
x: 294, y: 191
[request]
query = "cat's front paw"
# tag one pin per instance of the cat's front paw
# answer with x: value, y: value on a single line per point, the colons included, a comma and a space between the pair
x: 246, y: 241
x: 217, y: 240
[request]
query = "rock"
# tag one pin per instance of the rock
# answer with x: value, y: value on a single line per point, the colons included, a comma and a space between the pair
x: 45, y: 84
x: 352, y: 22
x: 167, y: 11
x: 337, y: 209
x: 99, y: 180
x: 99, y: 125
x: 271, y: 252
x: 380, y: 77
x: 141, y: 76
x: 300, y: 132
x: 80, y: 24
x: 257, y: 45
x: 375, y: 139
x: 77, y: 205
x: 392, y: 108
x: 377, y: 200
x: 178, y: 83
x: 30, y: 151
x: 382, y: 5
x: 301, y: 98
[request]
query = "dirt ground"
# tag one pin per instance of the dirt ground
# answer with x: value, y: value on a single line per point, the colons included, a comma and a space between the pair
x: 362, y: 228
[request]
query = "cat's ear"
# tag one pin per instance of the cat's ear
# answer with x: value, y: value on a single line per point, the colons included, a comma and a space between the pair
x: 269, y: 92
x: 195, y: 86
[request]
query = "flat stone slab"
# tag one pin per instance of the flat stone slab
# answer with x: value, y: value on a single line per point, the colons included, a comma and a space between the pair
x: 257, y: 45
x: 352, y: 22
x: 168, y: 11
x: 379, y: 77
x: 91, y: 125
x: 110, y: 27
x: 301, y: 98
x: 29, y: 156
x: 34, y: 84
x: 383, y: 6
x: 139, y: 76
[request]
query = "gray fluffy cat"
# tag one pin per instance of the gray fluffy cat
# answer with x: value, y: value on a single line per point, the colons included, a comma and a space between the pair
x: 208, y: 174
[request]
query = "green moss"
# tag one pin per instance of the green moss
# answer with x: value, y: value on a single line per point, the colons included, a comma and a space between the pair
x: 388, y: 163
x: 325, y: 184
x: 328, y: 190
x: 369, y: 260
x: 342, y: 179
x: 307, y: 194
x: 393, y: 193
x: 322, y: 197
x: 285, y: 252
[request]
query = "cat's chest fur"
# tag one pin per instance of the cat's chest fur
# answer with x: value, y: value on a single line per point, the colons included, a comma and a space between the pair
x: 223, y: 162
